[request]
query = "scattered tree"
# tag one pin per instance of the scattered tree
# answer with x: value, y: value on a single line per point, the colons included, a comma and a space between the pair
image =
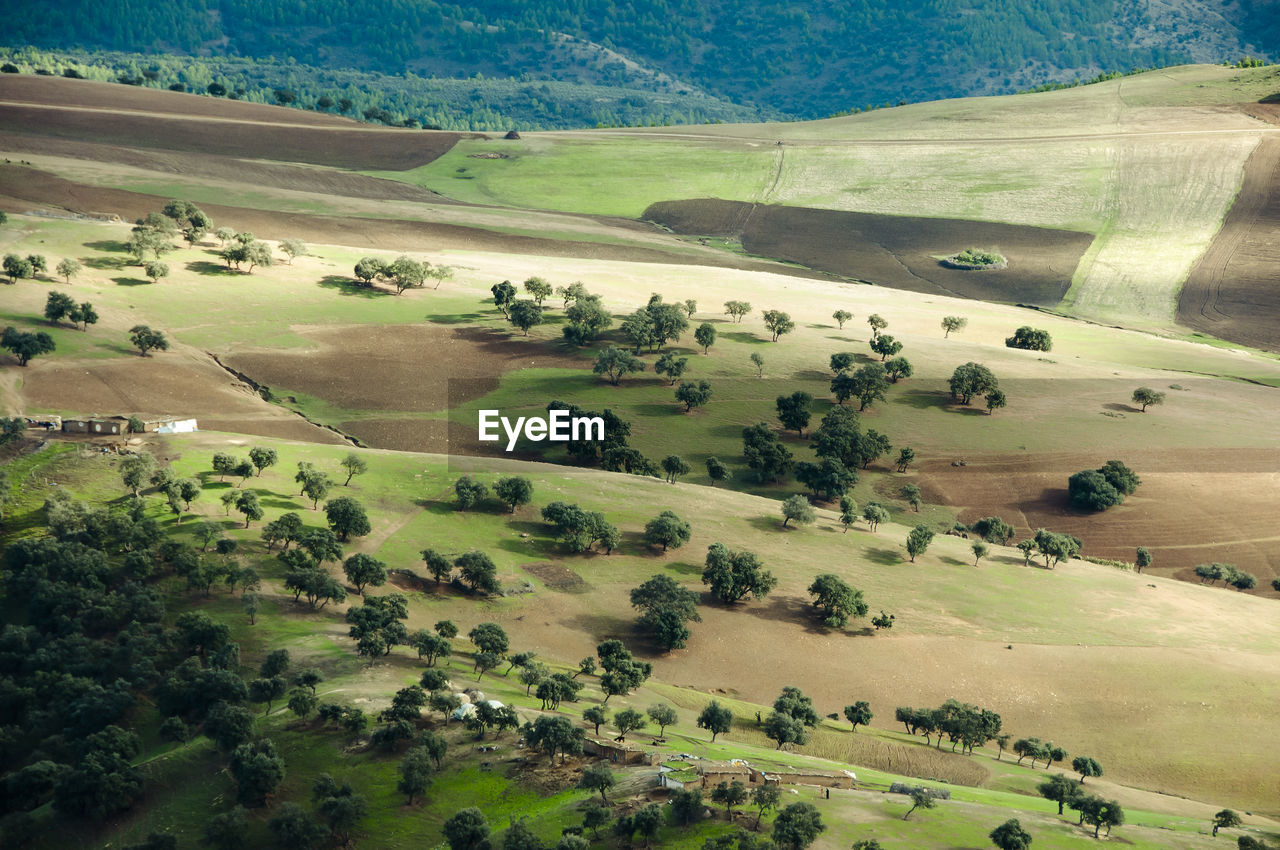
x: 972, y: 379
x: 705, y: 335
x: 898, y: 368
x: 918, y: 540
x: 514, y: 491
x: 778, y: 323
x: 664, y: 716
x: 875, y: 513
x: 598, y: 777
x: 524, y: 315
x: 716, y: 719
x: 347, y: 518
x: 953, y: 323
x: 836, y: 601
x: 467, y: 830
x: 859, y: 714
x: 886, y: 346
x: 1225, y: 819
x: 980, y: 550
x: 257, y: 772
x: 261, y: 458
x: 664, y: 608
x: 504, y: 294
x: 145, y: 340
x: 797, y: 826
x: 1011, y: 836
x: 354, y: 465
x: 693, y: 395
x: 666, y: 529
x: 25, y: 345
x: 671, y: 367
x: 794, y: 411
x: 1086, y: 766
x: 68, y: 269
x: 615, y: 363
x: 1031, y: 339
x: 470, y: 492
x: 921, y: 798
x: 1060, y: 789
x: 156, y: 270
x: 364, y: 570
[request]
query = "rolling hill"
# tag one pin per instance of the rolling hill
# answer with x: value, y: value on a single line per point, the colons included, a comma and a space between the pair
x: 1104, y: 197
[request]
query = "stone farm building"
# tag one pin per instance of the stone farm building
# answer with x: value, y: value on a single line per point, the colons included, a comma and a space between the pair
x: 714, y: 773
x: 618, y: 752
x: 116, y: 425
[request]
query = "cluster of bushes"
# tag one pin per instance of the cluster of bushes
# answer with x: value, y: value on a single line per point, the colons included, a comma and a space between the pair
x: 1031, y: 339
x: 975, y: 258
x: 1101, y: 488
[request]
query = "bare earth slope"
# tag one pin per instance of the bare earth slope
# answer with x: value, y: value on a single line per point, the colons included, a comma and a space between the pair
x: 124, y: 115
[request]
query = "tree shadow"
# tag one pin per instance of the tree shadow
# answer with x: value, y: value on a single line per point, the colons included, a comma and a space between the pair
x: 528, y: 547
x: 812, y: 375
x: 109, y: 245
x: 348, y: 287
x: 787, y: 609
x: 130, y: 281
x: 282, y: 503
x: 654, y: 409
x: 745, y: 337
x: 439, y: 507
x: 107, y: 263
x: 770, y: 523
x: 884, y: 557
x: 924, y: 399
x: 684, y: 568
x: 954, y: 562
x: 207, y: 268
x: 1124, y: 408
x: 457, y: 318
x: 604, y: 627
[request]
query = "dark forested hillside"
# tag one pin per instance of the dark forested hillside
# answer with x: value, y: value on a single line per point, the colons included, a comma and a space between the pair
x: 805, y: 58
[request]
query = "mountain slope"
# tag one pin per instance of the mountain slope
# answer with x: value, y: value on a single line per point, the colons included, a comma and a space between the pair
x: 805, y: 60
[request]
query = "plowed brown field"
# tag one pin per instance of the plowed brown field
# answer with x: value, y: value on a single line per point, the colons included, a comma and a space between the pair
x: 1194, y: 506
x: 121, y: 115
x: 896, y: 251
